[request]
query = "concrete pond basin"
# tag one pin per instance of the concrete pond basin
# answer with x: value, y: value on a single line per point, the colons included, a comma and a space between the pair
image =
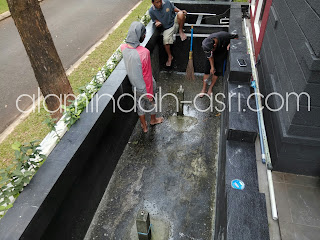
x: 105, y: 169
x: 169, y: 172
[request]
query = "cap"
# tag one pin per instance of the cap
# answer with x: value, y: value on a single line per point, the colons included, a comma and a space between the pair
x: 207, y: 47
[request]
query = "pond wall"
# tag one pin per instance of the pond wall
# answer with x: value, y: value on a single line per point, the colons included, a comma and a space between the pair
x: 62, y: 197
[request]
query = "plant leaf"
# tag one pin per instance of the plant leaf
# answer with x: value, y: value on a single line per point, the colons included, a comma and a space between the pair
x: 16, y: 146
x: 17, y: 173
x: 4, y: 208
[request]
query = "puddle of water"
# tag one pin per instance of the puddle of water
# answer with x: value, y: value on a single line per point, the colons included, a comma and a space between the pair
x: 182, y: 123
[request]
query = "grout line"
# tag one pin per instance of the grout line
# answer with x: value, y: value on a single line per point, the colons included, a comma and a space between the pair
x: 277, y: 181
x: 300, y: 175
x: 302, y: 185
x: 306, y: 225
x: 287, y: 193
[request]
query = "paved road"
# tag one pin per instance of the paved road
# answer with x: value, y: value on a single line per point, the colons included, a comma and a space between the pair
x: 75, y: 26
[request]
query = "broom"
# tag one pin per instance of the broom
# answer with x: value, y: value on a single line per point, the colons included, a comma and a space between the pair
x: 190, y: 69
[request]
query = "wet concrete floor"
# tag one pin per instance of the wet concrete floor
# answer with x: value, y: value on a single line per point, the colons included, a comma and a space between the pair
x: 169, y: 171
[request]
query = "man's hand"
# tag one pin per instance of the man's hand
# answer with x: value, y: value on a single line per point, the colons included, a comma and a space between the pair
x: 212, y: 71
x: 158, y: 23
x: 185, y: 12
x: 228, y: 47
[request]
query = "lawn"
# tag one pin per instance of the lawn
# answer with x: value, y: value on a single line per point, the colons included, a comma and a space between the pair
x: 33, y: 128
x: 3, y: 6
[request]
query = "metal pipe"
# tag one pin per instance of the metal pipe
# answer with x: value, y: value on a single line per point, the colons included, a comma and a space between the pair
x: 262, y: 131
x: 203, y: 14
x: 180, y: 96
x: 263, y: 155
x: 272, y: 196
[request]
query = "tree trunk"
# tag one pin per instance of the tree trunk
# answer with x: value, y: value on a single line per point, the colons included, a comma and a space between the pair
x: 45, y: 61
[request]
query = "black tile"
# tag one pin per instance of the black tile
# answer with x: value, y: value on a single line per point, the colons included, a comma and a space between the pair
x: 237, y: 73
x: 294, y: 31
x: 241, y: 164
x: 247, y: 215
x: 238, y: 104
x: 235, y: 21
x: 245, y: 122
x: 306, y: 117
x: 239, y: 90
x: 304, y: 131
x: 238, y: 45
x: 301, y: 9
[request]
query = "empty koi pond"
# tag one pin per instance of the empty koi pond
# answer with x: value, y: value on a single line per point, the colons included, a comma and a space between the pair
x: 170, y: 172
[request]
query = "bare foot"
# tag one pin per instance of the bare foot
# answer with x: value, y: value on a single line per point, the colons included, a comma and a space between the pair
x: 169, y: 62
x: 209, y: 92
x: 182, y: 35
x: 203, y: 91
x: 144, y: 128
x: 156, y: 121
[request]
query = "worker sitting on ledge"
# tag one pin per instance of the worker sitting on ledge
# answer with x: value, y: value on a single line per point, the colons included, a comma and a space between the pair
x: 163, y: 13
x: 138, y: 65
x: 216, y: 48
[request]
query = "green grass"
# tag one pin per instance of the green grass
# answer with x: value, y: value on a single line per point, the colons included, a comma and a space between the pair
x: 98, y: 58
x: 3, y: 6
x: 33, y: 128
x: 30, y: 129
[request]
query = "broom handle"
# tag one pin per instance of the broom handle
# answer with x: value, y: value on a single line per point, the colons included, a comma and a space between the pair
x: 191, y: 38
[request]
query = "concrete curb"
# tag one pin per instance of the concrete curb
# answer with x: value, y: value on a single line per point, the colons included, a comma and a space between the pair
x: 5, y: 15
x: 27, y: 112
x: 8, y: 14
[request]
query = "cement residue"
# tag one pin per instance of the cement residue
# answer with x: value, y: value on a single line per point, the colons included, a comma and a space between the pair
x: 199, y: 167
x: 182, y: 123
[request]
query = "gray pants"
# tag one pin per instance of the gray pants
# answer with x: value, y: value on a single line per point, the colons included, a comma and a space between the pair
x: 144, y: 105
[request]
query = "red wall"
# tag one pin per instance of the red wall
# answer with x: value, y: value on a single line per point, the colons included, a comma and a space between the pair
x: 258, y: 44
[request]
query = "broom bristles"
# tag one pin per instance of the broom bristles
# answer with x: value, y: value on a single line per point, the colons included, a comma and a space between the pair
x: 190, y: 70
